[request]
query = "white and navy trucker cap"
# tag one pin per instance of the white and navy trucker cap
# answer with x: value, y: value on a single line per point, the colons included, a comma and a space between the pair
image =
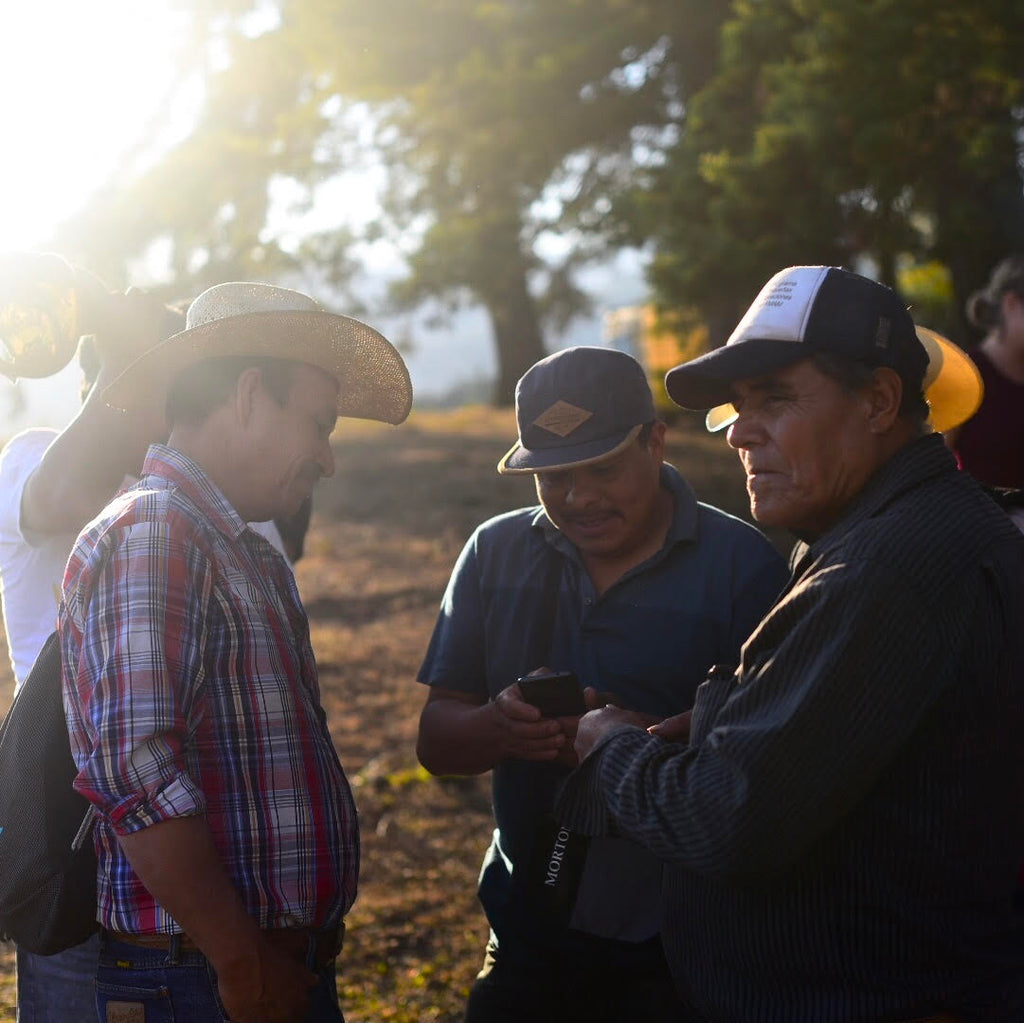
x: 804, y: 310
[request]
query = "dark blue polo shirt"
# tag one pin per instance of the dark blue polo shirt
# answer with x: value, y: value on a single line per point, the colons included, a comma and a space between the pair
x: 649, y: 639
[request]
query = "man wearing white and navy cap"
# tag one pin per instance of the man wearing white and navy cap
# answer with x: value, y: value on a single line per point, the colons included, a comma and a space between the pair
x: 621, y: 576
x: 844, y: 827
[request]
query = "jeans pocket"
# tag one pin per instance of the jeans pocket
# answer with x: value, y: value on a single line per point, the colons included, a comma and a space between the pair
x: 133, y: 1003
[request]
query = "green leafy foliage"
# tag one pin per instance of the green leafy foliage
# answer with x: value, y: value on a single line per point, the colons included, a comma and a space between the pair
x: 862, y: 132
x: 728, y: 138
x: 493, y: 122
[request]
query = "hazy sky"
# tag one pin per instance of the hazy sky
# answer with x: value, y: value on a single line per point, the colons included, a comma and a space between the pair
x: 78, y: 82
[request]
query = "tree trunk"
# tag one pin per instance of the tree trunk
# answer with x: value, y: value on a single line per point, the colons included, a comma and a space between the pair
x: 518, y: 340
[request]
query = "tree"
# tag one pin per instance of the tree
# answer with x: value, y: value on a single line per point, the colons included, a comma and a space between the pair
x: 843, y: 131
x: 497, y: 124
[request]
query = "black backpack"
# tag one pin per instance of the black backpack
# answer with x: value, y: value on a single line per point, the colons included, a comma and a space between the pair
x: 47, y: 859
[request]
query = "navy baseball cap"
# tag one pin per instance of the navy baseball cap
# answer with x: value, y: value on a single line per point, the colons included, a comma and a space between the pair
x: 578, y: 406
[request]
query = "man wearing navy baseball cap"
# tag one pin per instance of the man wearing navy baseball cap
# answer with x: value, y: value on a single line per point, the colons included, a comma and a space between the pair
x: 622, y: 577
x: 845, y: 824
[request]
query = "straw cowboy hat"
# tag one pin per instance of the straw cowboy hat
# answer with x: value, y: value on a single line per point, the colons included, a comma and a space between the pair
x: 247, y: 318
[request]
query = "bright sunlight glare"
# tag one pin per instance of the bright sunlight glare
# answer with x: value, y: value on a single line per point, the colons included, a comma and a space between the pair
x: 78, y: 83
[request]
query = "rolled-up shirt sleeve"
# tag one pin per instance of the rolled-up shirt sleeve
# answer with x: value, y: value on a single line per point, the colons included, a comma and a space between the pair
x: 851, y: 663
x: 137, y: 667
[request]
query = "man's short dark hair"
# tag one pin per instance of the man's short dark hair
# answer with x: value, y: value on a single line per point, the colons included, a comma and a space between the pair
x: 205, y: 385
x: 853, y: 374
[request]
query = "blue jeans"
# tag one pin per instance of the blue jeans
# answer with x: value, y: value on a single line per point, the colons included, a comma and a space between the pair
x: 180, y: 984
x: 59, y: 988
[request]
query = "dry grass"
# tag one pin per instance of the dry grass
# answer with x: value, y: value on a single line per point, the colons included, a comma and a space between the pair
x: 385, y: 533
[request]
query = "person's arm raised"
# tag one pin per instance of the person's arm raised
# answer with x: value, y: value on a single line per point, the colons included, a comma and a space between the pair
x: 87, y: 461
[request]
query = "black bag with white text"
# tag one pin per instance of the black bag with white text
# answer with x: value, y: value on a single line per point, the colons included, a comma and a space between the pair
x: 544, y: 886
x: 47, y: 859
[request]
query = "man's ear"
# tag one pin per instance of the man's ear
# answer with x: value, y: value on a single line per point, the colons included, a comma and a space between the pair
x: 248, y: 390
x: 656, y: 441
x: 885, y: 395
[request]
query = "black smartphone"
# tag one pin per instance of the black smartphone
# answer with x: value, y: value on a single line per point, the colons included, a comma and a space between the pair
x: 556, y: 694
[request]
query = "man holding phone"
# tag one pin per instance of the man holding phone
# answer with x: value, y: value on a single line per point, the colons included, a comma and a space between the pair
x: 556, y: 694
x: 623, y: 579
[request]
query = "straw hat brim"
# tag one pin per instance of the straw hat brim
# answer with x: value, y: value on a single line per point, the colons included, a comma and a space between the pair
x: 952, y: 386
x: 373, y: 379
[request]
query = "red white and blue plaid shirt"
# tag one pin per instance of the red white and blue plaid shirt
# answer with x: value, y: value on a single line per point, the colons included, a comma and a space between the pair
x: 190, y: 688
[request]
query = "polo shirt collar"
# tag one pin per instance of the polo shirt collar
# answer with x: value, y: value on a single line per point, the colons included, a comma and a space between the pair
x: 181, y: 473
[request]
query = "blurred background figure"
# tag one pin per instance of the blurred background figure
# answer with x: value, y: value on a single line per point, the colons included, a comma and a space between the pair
x: 990, y: 445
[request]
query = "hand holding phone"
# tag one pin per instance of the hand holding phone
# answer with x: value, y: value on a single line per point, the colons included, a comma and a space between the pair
x: 555, y: 694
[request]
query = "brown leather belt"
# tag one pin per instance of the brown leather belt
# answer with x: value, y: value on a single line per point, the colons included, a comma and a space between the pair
x: 292, y: 941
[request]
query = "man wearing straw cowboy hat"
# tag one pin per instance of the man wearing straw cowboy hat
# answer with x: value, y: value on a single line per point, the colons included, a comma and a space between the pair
x: 226, y: 833
x: 843, y: 827
x: 51, y: 484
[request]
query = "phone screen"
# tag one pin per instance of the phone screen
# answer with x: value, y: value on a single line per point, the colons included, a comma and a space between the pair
x: 557, y: 694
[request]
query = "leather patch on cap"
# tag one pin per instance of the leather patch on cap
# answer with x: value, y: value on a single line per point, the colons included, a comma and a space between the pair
x: 562, y: 418
x: 126, y: 1012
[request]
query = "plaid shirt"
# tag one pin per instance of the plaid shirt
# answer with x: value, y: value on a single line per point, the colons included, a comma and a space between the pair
x: 190, y: 688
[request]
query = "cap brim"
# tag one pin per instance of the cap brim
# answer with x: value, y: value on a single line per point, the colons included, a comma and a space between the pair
x: 520, y: 460
x: 707, y: 381
x: 372, y: 377
x: 952, y: 386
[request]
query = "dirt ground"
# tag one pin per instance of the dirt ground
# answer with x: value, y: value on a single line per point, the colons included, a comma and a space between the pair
x: 385, y: 533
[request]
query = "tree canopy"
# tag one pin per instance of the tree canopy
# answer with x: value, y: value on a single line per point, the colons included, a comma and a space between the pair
x: 729, y: 139
x: 494, y: 123
x: 857, y: 132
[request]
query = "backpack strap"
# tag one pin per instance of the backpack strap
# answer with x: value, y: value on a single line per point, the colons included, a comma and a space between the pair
x: 543, y: 626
